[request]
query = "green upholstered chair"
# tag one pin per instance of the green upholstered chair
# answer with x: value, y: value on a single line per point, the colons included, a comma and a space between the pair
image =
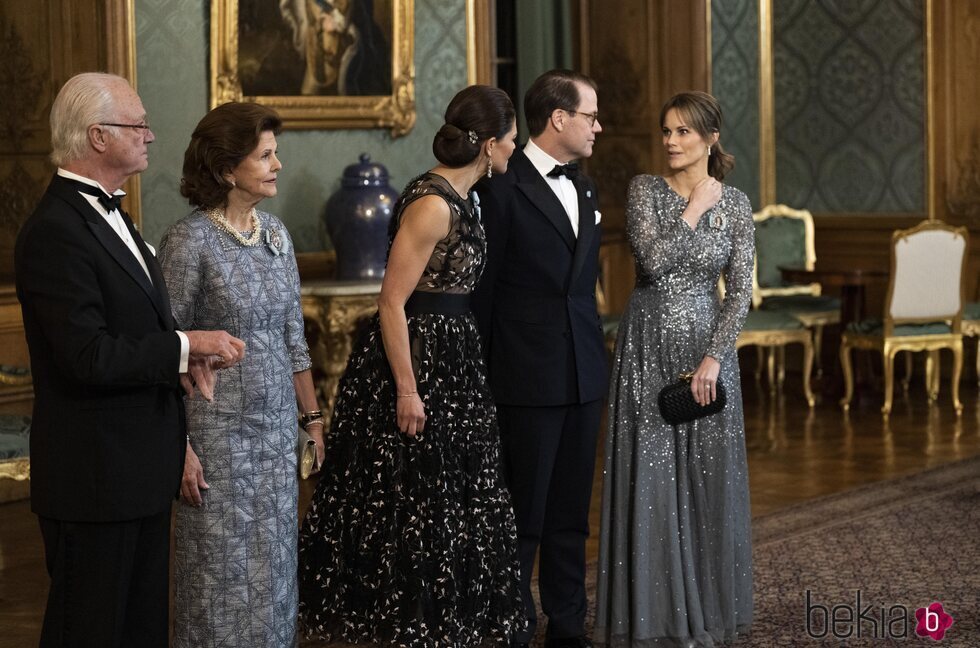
x: 773, y: 330
x: 923, y: 309
x: 971, y: 326
x: 610, y: 321
x: 15, y: 431
x: 785, y: 237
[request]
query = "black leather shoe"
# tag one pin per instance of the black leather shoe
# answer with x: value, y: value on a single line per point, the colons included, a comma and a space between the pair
x: 569, y: 642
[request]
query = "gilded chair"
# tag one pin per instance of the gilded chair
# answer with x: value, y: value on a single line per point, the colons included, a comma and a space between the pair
x: 785, y: 237
x: 923, y: 309
x: 15, y: 466
x: 971, y: 326
x: 773, y: 330
x: 610, y: 322
x: 609, y: 318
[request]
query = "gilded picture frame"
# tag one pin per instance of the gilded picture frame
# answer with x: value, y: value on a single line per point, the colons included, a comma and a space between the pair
x: 329, y: 80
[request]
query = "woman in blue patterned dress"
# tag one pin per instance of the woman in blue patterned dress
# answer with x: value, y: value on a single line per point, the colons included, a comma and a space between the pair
x: 410, y: 538
x: 229, y: 266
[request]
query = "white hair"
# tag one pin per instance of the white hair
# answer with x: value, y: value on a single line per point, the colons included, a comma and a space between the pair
x: 85, y: 99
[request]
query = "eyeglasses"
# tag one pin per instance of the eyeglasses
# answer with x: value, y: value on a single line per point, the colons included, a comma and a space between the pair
x: 592, y: 117
x: 140, y: 127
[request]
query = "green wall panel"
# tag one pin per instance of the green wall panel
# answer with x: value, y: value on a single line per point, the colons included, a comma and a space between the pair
x: 735, y: 83
x: 850, y: 105
x: 172, y: 66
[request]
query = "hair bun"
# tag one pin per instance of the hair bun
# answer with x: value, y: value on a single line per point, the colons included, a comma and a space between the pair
x: 452, y: 132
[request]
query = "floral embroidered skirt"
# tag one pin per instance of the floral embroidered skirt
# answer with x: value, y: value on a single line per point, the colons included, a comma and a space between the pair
x: 411, y: 542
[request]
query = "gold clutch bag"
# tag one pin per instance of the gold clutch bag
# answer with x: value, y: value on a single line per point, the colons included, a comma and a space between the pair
x: 306, y: 462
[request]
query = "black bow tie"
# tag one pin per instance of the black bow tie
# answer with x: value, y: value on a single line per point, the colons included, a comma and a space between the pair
x: 569, y: 170
x: 110, y: 203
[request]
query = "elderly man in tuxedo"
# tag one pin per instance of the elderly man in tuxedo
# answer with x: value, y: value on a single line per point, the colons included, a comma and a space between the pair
x: 107, y: 439
x: 536, y: 307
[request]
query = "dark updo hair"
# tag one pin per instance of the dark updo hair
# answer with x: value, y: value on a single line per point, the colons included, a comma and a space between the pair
x: 475, y: 114
x: 553, y: 90
x: 702, y: 112
x: 222, y: 139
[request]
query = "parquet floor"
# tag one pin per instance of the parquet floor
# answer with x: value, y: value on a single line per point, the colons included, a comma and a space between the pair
x: 795, y: 454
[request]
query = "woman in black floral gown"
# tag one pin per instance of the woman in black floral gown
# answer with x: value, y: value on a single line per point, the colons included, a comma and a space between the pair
x: 410, y: 539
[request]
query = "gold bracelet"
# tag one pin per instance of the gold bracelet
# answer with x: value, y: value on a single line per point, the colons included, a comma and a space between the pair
x: 408, y: 394
x: 312, y: 415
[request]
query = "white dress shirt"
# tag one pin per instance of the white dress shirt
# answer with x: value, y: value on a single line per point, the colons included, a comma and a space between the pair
x: 562, y: 186
x: 116, y: 223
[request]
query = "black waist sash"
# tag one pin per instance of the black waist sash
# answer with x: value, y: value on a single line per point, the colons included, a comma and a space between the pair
x: 438, y: 303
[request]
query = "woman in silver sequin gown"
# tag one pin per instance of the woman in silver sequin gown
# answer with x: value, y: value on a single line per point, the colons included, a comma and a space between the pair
x: 229, y: 266
x: 410, y: 537
x: 675, y: 558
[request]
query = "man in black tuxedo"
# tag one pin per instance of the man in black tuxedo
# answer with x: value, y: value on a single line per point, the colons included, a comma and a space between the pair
x: 107, y: 437
x: 536, y: 307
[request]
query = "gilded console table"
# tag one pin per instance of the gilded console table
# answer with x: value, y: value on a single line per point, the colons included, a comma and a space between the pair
x: 332, y: 311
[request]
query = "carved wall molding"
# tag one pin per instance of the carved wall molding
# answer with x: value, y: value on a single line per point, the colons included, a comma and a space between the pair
x: 963, y: 201
x: 20, y: 85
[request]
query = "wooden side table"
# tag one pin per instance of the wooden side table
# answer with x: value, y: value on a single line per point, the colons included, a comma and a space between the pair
x: 852, y: 283
x: 332, y: 311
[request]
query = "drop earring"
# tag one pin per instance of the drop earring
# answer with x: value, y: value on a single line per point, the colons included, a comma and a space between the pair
x: 709, y: 150
x: 490, y: 163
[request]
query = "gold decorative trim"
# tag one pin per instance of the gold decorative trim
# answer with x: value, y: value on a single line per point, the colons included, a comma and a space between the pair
x: 930, y: 114
x: 708, y: 42
x: 21, y: 376
x: 970, y: 328
x: 889, y: 347
x: 331, y: 319
x: 779, y: 338
x: 120, y: 32
x: 16, y: 469
x: 395, y: 111
x: 965, y: 202
x: 956, y: 319
x: 767, y: 108
x: 479, y: 43
x: 889, y: 344
x: 810, y: 254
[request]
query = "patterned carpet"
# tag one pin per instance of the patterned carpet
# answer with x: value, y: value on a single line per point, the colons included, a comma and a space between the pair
x: 904, y: 544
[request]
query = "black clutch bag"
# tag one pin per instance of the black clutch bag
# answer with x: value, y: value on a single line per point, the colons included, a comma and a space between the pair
x: 677, y: 404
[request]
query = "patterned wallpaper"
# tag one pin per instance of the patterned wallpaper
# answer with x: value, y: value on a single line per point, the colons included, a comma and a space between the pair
x: 172, y: 62
x: 850, y: 105
x: 735, y: 83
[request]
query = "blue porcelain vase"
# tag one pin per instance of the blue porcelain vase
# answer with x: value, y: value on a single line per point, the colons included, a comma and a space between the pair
x: 356, y: 218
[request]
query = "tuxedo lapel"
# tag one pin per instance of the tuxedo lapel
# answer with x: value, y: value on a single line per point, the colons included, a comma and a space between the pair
x: 161, y: 298
x: 587, y: 227
x: 537, y: 191
x: 114, y: 245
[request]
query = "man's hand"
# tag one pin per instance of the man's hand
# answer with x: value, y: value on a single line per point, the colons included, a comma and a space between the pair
x: 216, y: 343
x: 200, y: 375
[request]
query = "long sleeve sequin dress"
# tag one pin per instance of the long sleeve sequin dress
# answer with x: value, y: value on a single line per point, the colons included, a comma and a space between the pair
x: 675, y: 556
x: 411, y: 542
x: 235, y: 555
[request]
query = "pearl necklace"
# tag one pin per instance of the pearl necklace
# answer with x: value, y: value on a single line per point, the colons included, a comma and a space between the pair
x: 217, y: 216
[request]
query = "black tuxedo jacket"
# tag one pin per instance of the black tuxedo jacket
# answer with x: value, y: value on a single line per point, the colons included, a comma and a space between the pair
x: 536, y: 304
x: 107, y: 436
